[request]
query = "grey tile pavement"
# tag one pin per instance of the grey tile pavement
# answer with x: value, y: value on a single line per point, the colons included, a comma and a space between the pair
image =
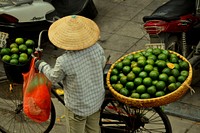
x: 122, y: 32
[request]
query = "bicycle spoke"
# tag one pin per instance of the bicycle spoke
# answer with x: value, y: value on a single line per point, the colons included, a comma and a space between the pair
x: 12, y: 117
x: 118, y: 117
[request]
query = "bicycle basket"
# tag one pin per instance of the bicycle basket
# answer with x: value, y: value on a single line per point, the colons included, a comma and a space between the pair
x: 151, y: 102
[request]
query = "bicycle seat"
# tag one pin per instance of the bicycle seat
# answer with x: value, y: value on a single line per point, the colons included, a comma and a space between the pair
x: 172, y: 10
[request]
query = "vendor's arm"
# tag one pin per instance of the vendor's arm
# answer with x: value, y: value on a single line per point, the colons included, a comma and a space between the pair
x: 55, y: 74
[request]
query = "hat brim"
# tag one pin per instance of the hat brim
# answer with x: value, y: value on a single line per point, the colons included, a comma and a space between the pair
x: 74, y: 33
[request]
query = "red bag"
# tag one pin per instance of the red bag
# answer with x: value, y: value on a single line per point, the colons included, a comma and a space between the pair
x: 37, y: 98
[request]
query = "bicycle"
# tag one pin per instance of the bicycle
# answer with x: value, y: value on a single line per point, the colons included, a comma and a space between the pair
x: 115, y: 116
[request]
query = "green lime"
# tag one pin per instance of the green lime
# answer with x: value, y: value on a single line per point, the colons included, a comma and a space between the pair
x: 135, y: 56
x: 114, y: 79
x: 138, y: 81
x: 148, y: 68
x: 155, y: 68
x: 124, y: 91
x: 141, y: 63
x: 22, y: 48
x: 133, y: 64
x: 160, y: 93
x: 136, y: 70
x: 145, y: 96
x: 14, y: 56
x: 147, y: 81
x: 126, y: 62
x: 161, y: 64
x: 141, y: 89
x: 14, y: 61
x: 29, y: 51
x: 146, y: 54
x: 184, y: 73
x: 29, y: 43
x: 154, y: 82
x: 150, y: 61
x: 173, y: 56
x: 143, y: 53
x: 176, y: 66
x: 171, y: 79
x: 184, y: 65
x: 166, y: 70
x: 5, y: 51
x: 180, y: 60
x: 135, y: 95
x: 153, y: 57
x: 6, y: 58
x: 14, y: 50
x: 160, y: 85
x: 24, y: 55
x: 126, y: 69
x: 119, y: 66
x: 130, y: 57
x: 130, y: 76
x: 13, y: 45
x: 120, y: 75
x: 156, y: 51
x: 172, y: 87
x: 166, y: 52
x: 162, y: 57
x: 151, y: 90
x: 118, y: 87
x: 123, y: 80
x: 154, y: 74
x: 19, y: 40
x: 143, y: 74
x: 181, y: 78
x: 163, y: 77
x: 141, y: 58
x: 129, y: 85
x: 114, y: 71
x: 175, y: 72
x: 149, y: 50
x: 178, y: 84
x: 173, y: 60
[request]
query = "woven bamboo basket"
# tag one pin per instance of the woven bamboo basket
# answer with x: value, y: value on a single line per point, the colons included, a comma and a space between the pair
x: 151, y: 102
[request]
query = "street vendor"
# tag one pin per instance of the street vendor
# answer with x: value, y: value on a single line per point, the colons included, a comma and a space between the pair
x: 80, y: 69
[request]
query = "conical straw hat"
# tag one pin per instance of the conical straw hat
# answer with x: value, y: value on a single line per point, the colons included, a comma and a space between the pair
x: 74, y: 33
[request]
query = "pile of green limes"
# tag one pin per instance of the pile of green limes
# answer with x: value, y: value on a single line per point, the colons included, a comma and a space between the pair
x: 18, y: 52
x: 150, y: 73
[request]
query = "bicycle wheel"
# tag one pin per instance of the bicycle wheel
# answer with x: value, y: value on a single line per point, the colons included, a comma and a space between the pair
x: 120, y: 118
x: 12, y: 117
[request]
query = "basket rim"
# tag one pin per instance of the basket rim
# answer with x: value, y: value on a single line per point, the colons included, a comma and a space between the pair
x: 185, y: 83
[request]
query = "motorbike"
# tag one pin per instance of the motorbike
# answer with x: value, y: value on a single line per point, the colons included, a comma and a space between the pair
x: 29, y: 17
x: 176, y: 25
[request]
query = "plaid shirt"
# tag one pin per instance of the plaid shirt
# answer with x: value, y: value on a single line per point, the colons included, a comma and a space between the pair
x: 82, y: 75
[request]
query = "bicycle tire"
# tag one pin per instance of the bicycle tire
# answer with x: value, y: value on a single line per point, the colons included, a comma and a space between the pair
x: 120, y: 118
x: 12, y: 117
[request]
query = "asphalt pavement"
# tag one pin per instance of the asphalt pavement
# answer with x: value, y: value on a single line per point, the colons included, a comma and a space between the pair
x: 122, y: 32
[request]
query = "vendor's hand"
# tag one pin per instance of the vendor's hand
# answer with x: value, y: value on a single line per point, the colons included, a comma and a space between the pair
x: 37, y: 63
x: 37, y: 54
